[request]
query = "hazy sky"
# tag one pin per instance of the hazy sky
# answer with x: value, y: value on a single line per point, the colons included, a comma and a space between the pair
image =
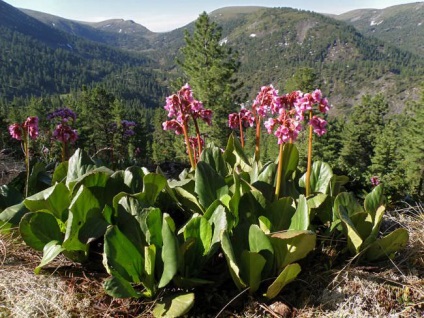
x: 166, y: 15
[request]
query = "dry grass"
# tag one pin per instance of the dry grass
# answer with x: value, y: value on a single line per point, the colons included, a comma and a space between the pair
x: 329, y: 285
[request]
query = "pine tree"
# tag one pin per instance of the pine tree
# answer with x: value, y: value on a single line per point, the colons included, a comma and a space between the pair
x: 208, y: 65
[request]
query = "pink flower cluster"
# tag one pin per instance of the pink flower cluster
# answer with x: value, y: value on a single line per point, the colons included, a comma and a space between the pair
x: 181, y: 107
x: 63, y: 131
x: 244, y: 117
x: 291, y: 109
x: 29, y: 127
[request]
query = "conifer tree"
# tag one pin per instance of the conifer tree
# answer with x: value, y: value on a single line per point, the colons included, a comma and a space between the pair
x: 208, y: 65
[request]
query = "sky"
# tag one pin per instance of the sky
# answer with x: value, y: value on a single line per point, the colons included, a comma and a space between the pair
x: 167, y: 15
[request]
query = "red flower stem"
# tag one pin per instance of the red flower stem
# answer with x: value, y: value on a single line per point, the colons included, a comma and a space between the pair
x: 190, y: 154
x: 25, y: 140
x: 279, y: 172
x: 258, y: 138
x: 308, y: 169
x: 199, y: 140
x: 241, y: 133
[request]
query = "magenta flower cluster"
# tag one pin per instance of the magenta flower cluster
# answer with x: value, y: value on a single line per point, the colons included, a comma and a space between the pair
x: 181, y: 107
x: 244, y: 118
x: 289, y: 111
x: 29, y: 127
x: 63, y: 132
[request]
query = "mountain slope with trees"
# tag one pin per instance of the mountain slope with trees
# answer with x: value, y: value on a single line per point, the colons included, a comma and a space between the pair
x: 401, y: 25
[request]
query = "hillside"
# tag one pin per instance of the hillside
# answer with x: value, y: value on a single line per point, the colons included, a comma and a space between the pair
x: 119, y: 33
x: 272, y: 43
x: 37, y: 59
x: 401, y: 25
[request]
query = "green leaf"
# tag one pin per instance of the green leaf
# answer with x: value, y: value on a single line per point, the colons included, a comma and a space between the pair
x: 387, y: 245
x: 291, y: 246
x: 38, y: 229
x: 188, y: 200
x: 289, y: 166
x: 54, y: 200
x: 231, y: 260
x: 85, y: 222
x: 374, y: 200
x: 50, y: 251
x: 151, y: 225
x: 354, y: 240
x: 321, y: 175
x: 149, y: 267
x: 258, y: 240
x: 251, y: 266
x: 122, y: 256
x: 170, y: 251
x: 300, y: 219
x: 234, y: 154
x: 210, y: 186
x: 213, y: 156
x: 38, y: 178
x: 78, y: 165
x: 280, y: 213
x: 13, y: 214
x: 153, y: 185
x: 288, y: 275
x: 220, y: 221
x: 119, y: 288
x: 372, y: 236
x: 174, y: 306
x: 60, y: 173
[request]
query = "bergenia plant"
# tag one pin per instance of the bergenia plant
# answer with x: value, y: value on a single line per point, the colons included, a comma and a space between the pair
x: 63, y: 131
x: 240, y: 120
x: 312, y: 105
x: 266, y: 100
x: 24, y: 132
x: 181, y: 107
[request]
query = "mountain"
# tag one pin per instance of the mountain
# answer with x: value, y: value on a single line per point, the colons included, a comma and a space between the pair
x: 37, y: 59
x: 119, y: 33
x: 401, y: 25
x: 273, y: 44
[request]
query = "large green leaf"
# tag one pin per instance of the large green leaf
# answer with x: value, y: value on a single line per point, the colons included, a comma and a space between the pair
x: 151, y: 225
x: 234, y: 155
x: 251, y: 266
x: 118, y: 287
x: 336, y: 184
x: 374, y: 200
x: 122, y: 256
x: 188, y: 200
x: 78, y: 165
x: 38, y: 229
x: 387, y: 245
x: 213, y: 156
x: 234, y: 269
x: 60, y: 173
x: 153, y: 184
x: 291, y: 246
x: 50, y: 251
x: 54, y: 200
x: 221, y: 220
x: 289, y: 274
x: 96, y: 178
x: 354, y: 240
x: 38, y: 179
x: 170, y: 251
x: 149, y: 281
x: 198, y: 232
x: 174, y: 306
x: 349, y: 202
x: 85, y: 221
x: 378, y: 218
x: 210, y: 186
x: 288, y: 168
x: 259, y: 243
x: 280, y: 213
x: 300, y: 219
x: 13, y: 214
x: 321, y: 175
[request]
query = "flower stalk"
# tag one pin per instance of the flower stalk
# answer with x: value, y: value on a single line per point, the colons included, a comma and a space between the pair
x: 309, y: 164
